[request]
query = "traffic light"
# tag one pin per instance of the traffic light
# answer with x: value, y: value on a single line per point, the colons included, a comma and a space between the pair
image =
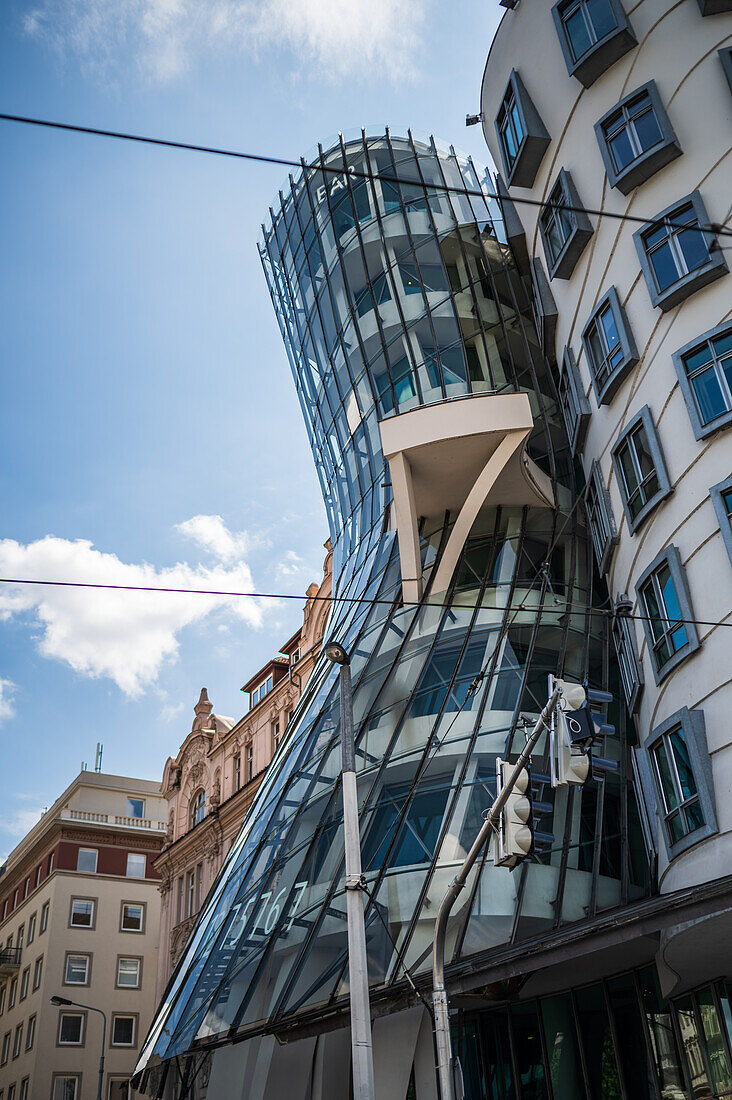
x: 578, y: 721
x: 514, y: 838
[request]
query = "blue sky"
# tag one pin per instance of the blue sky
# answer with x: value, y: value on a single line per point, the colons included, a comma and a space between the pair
x: 149, y: 426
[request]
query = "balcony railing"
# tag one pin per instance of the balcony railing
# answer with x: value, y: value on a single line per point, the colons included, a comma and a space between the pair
x: 114, y: 819
x: 9, y: 960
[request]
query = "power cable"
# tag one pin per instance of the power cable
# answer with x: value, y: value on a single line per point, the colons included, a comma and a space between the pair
x: 715, y: 228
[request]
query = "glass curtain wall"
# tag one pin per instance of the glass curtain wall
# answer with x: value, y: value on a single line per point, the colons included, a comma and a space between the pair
x: 394, y: 288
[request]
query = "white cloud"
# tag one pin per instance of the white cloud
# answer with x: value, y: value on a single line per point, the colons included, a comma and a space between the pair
x: 332, y: 39
x: 171, y: 711
x: 6, y: 699
x: 125, y: 636
x: 212, y: 535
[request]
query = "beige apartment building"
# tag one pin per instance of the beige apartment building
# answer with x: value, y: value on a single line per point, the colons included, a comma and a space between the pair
x: 210, y: 783
x: 79, y: 919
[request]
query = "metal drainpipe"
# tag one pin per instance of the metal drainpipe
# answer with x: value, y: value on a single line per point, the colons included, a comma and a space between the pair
x: 440, y: 1005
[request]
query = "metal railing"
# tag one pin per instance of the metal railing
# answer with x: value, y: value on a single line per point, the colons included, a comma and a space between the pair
x: 10, y: 958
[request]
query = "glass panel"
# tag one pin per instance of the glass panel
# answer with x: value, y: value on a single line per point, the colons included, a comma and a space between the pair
x: 668, y: 786
x: 679, y: 636
x: 661, y: 1033
x: 601, y: 15
x: 597, y: 1043
x: 561, y: 1047
x: 527, y: 1052
x: 683, y: 764
x: 709, y: 397
x: 498, y: 1082
x: 716, y: 1052
x: 631, y: 1044
x: 694, y: 248
x: 578, y: 33
x: 621, y: 149
x: 691, y: 1045
x: 647, y: 129
x: 664, y: 266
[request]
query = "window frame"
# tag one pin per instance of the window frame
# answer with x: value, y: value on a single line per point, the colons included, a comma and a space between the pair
x: 24, y: 984
x: 75, y: 1077
x: 694, y: 727
x: 646, y: 163
x: 63, y: 1013
x: 87, y: 927
x: 141, y: 815
x: 669, y: 556
x: 603, y: 52
x: 700, y: 429
x: 30, y: 1035
x: 714, y: 7
x: 724, y: 517
x: 17, y: 1041
x: 725, y: 58
x: 45, y: 913
x: 570, y: 383
x: 563, y: 264
x: 605, y: 391
x: 32, y: 923
x: 77, y: 955
x: 535, y: 140
x: 133, y: 931
x: 197, y: 807
x: 96, y: 860
x: 139, y: 855
x: 643, y: 417
x: 37, y: 973
x: 689, y: 282
x: 135, y: 1017
x: 630, y: 665
x: 129, y: 958
x: 603, y: 541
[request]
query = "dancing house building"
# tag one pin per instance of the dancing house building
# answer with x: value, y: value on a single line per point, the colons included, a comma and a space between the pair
x: 464, y: 575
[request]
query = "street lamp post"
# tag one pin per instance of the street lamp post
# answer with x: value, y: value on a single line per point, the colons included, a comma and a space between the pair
x: 90, y: 1008
x: 358, y: 978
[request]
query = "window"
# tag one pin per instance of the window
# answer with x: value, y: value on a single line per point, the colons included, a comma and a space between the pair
x: 704, y: 369
x: 31, y: 928
x: 39, y: 872
x: 20, y: 937
x: 11, y: 1091
x: 13, y: 994
x: 631, y: 672
x: 725, y: 56
x: 2, y: 999
x: 24, y: 983
x: 600, y: 518
x: 640, y: 469
x: 722, y: 500
x: 190, y: 893
x: 294, y: 656
x: 680, y: 764
x: 636, y: 138
x: 71, y: 1029
x: 249, y: 751
x: 86, y: 860
x: 82, y: 912
x: 714, y: 7
x: 6, y: 1048
x: 198, y: 808
x: 199, y: 886
x: 44, y: 916
x: 609, y: 346
x: 136, y: 865
x: 128, y: 973
x: 18, y: 1041
x: 23, y: 1095
x: 26, y: 888
x: 572, y: 401
x: 31, y: 1033
x: 564, y: 233
x: 119, y: 1088
x: 522, y: 136
x: 66, y: 1088
x: 237, y: 771
x: 259, y: 692
x: 76, y: 969
x: 275, y: 736
x: 133, y: 917
x: 677, y: 256
x: 135, y: 807
x: 593, y: 35
x: 666, y: 607
x: 37, y: 973
x: 123, y: 1030
x: 51, y: 860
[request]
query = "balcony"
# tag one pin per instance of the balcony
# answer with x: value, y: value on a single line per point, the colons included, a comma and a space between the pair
x: 95, y: 818
x: 9, y: 960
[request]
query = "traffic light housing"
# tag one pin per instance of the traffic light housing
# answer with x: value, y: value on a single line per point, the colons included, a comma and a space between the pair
x: 513, y: 841
x: 579, y: 719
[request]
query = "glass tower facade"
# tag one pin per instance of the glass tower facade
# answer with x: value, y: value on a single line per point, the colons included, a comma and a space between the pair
x: 395, y: 291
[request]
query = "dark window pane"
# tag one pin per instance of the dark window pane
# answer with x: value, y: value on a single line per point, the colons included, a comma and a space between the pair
x: 621, y: 150
x: 694, y: 247
x: 597, y: 1042
x: 527, y: 1051
x: 561, y: 1047
x: 632, y: 1050
x: 661, y: 1033
x: 709, y: 396
x: 577, y: 33
x: 664, y: 266
x: 664, y: 770
x: 601, y: 15
x: 692, y: 1047
x: 683, y: 764
x: 647, y: 129
x: 498, y: 1080
x: 712, y: 1025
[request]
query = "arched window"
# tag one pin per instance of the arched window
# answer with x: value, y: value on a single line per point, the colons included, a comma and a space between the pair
x: 198, y: 807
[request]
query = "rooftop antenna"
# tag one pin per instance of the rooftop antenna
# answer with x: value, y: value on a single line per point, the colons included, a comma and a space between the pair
x: 98, y: 761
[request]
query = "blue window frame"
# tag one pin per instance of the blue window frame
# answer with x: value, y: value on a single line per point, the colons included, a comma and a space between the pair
x: 704, y: 369
x: 665, y: 607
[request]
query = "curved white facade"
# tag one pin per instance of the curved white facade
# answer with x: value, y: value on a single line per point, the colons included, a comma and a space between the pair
x: 678, y: 48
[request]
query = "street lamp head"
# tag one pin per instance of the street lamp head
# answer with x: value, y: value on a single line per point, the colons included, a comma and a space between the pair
x: 335, y: 652
x: 56, y: 1000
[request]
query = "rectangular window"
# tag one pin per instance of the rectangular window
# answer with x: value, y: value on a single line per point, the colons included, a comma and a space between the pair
x: 600, y: 518
x: 609, y: 346
x: 71, y: 1029
x: 190, y: 893
x: 636, y: 138
x: 677, y: 256
x: 275, y: 736
x: 708, y: 367
x: 66, y: 1088
x: 11, y: 1092
x: 136, y: 865
x: 119, y: 1089
x: 20, y: 937
x: 23, y: 1095
x: 44, y: 916
x: 585, y: 22
x: 199, y: 886
x: 668, y: 633
x: 37, y: 973
x: 39, y: 871
x: 631, y: 673
x: 721, y: 495
x: 18, y: 1041
x: 128, y: 973
x: 51, y: 861
x: 82, y: 913
x: 237, y: 771
x: 76, y: 971
x: 136, y: 807
x: 565, y: 229
x: 133, y: 914
x: 13, y: 995
x: 31, y: 1033
x: 556, y: 224
x: 294, y: 656
x: 86, y: 860
x: 640, y: 469
x: 249, y: 750
x: 123, y: 1031
x: 510, y: 128
x: 6, y: 1048
x: 680, y: 796
x: 3, y: 991
x: 24, y: 983
x: 572, y: 401
x: 31, y: 928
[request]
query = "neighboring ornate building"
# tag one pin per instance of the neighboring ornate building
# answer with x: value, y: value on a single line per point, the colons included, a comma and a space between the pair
x: 211, y: 782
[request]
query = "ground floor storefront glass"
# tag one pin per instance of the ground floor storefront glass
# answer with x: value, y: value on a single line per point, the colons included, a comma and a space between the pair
x: 618, y: 1039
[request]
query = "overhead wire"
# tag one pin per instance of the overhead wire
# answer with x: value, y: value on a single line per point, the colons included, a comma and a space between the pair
x: 717, y: 229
